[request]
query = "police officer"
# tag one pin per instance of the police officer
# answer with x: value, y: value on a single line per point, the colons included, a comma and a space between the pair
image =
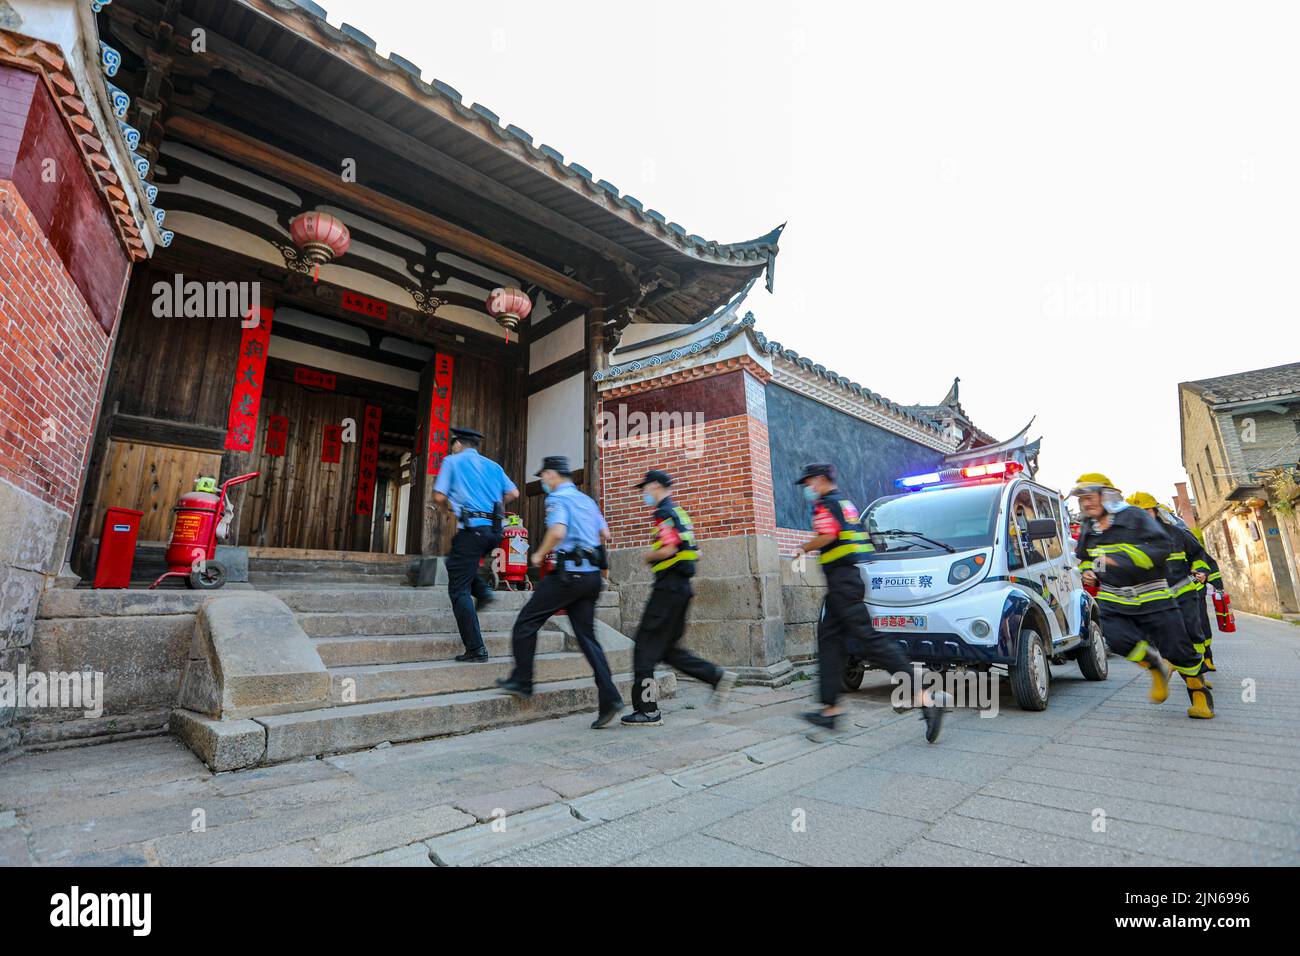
x: 575, y: 531
x: 1123, y: 552
x: 1182, y: 572
x: 474, y: 489
x: 672, y: 557
x: 846, y: 622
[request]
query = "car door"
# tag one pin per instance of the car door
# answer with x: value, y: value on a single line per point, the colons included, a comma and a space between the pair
x: 1029, y: 562
x: 1057, y: 560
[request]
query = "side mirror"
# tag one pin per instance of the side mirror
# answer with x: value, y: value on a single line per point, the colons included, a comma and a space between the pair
x: 1041, y: 529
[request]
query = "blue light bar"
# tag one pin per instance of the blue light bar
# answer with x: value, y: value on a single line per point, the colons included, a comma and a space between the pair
x: 916, y: 481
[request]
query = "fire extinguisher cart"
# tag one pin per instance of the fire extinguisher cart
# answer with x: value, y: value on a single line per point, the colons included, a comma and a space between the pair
x: 192, y: 552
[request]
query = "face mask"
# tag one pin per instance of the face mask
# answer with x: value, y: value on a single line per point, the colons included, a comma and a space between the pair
x: 649, y: 499
x: 1113, y: 502
x: 810, y: 493
x: 546, y: 487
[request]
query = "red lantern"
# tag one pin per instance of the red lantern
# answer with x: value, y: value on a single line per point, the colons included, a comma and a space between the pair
x: 509, y: 307
x: 320, y: 236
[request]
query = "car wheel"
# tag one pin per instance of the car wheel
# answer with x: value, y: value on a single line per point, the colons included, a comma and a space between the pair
x: 1092, y: 658
x: 1031, y: 677
x: 854, y: 671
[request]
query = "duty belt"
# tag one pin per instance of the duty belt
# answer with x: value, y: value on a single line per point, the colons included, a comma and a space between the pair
x: 1138, y: 594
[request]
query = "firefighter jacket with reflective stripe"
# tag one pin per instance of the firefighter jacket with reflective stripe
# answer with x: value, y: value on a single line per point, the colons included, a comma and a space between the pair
x: 673, y: 528
x: 1132, y: 580
x: 836, y: 515
x: 1185, y: 556
x: 1207, y: 564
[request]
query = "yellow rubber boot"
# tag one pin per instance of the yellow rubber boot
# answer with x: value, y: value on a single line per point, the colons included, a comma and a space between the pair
x: 1154, y: 663
x: 1202, y: 701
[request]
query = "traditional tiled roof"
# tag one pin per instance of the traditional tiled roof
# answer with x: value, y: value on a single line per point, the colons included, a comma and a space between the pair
x: 1257, y: 385
x: 308, y: 20
x: 46, y: 60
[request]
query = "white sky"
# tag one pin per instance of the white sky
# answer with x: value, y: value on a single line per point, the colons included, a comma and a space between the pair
x: 1074, y: 207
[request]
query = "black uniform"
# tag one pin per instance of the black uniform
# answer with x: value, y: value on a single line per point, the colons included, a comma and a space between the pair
x: 1138, y: 612
x: 1185, y: 556
x: 845, y: 626
x: 664, y: 621
x: 1214, y: 578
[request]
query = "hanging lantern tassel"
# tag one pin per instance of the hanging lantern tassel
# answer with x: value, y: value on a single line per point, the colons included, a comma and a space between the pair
x: 509, y: 307
x: 321, y: 237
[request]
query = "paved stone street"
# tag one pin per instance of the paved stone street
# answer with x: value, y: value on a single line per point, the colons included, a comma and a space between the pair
x: 1101, y: 778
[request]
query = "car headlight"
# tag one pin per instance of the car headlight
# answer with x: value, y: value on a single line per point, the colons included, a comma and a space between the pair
x: 964, y: 570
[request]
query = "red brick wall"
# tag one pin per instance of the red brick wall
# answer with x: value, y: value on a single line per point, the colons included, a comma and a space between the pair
x: 62, y: 275
x: 722, y: 472
x: 52, y: 357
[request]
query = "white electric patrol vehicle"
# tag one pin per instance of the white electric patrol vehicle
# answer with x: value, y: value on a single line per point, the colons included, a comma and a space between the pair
x: 973, y: 567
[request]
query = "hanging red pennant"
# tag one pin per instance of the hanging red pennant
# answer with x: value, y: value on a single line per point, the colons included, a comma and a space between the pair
x: 250, y: 372
x: 331, y: 446
x: 277, y: 435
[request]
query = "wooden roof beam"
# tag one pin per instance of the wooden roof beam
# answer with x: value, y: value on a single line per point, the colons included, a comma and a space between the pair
x: 276, y: 163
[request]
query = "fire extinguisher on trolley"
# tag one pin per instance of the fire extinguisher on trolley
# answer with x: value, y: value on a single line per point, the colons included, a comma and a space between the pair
x: 514, y: 542
x: 1223, y: 612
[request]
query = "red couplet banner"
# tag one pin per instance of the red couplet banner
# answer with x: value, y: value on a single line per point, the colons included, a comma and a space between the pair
x: 369, y: 461
x: 331, y: 446
x: 315, y: 378
x: 250, y: 372
x: 440, y: 412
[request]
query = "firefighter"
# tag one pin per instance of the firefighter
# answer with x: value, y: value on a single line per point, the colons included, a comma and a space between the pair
x: 1213, y: 578
x: 576, y: 532
x: 846, y: 622
x: 1123, y: 552
x: 672, y: 557
x: 1185, y: 554
x: 474, y: 489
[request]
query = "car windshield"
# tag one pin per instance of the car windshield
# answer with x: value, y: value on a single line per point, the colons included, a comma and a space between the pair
x: 961, y: 518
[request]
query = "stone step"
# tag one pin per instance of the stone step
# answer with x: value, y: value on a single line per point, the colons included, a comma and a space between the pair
x: 285, y: 579
x: 414, y: 648
x: 377, y: 682
x: 351, y: 600
x: 387, y: 623
x: 359, y: 726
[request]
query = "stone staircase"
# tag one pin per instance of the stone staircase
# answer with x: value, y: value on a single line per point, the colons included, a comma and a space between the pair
x: 387, y: 653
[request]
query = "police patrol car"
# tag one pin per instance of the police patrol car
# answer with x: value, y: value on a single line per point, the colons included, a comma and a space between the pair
x: 973, y: 567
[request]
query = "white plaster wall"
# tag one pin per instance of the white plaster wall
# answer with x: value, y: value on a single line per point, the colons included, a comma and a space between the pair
x: 317, y: 357
x: 556, y: 345
x: 556, y: 423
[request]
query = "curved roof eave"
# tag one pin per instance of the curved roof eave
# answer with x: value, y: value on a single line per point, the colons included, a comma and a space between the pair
x: 354, y: 48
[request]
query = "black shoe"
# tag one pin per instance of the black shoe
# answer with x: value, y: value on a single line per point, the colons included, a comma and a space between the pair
x: 607, y: 716
x: 638, y: 719
x: 818, y: 719
x: 473, y: 657
x: 933, y: 716
x: 487, y: 599
x: 514, y: 688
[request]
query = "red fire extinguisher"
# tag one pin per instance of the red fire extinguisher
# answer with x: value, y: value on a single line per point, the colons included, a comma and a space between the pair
x: 203, y: 517
x: 514, y: 542
x: 1223, y: 612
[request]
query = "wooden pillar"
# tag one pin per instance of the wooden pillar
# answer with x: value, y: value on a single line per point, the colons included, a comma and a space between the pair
x: 596, y: 360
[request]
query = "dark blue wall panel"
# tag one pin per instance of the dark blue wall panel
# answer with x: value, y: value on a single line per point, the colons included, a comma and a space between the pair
x: 868, y: 458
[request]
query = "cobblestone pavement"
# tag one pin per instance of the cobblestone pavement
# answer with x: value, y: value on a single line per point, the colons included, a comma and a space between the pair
x: 1102, y: 777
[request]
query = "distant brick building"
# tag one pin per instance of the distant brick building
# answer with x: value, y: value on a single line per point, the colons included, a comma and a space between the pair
x: 1238, y: 431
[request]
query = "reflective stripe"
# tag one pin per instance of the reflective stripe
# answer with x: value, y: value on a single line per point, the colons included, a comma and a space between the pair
x: 679, y: 556
x: 850, y: 542
x: 687, y: 550
x: 1199, y: 565
x: 1134, y: 553
x: 1216, y: 576
x: 1183, y: 586
x: 1134, y: 596
x: 1139, y: 652
x: 1085, y: 565
x: 1178, y: 556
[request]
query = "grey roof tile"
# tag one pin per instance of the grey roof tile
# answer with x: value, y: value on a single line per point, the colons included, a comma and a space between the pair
x: 1256, y: 384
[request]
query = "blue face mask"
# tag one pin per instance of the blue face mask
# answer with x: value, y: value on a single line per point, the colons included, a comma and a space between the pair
x: 810, y: 493
x: 649, y: 499
x: 546, y: 487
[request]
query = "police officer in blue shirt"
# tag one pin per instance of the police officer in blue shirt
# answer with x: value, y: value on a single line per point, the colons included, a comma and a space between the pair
x: 576, y: 532
x: 475, y: 490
